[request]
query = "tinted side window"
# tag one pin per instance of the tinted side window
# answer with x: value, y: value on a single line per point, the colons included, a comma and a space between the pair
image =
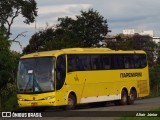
x: 106, y: 62
x: 128, y: 61
x: 85, y: 62
x: 72, y: 63
x: 140, y: 60
x: 143, y: 60
x: 96, y: 63
x: 60, y: 71
x: 78, y: 62
x: 118, y: 62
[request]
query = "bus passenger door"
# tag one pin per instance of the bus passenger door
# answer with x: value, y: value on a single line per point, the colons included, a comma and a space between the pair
x: 61, y: 90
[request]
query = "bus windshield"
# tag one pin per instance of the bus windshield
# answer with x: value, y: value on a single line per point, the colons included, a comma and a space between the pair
x: 35, y: 75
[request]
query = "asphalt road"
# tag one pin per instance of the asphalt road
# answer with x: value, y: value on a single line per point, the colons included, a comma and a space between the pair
x: 110, y: 111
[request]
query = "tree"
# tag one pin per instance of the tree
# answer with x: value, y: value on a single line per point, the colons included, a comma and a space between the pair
x: 4, y: 51
x: 8, y: 68
x: 87, y: 30
x: 158, y: 54
x: 4, y: 54
x: 49, y: 39
x: 154, y: 74
x: 119, y: 42
x: 158, y: 58
x: 66, y: 31
x: 39, y: 39
x: 10, y: 9
x: 145, y: 42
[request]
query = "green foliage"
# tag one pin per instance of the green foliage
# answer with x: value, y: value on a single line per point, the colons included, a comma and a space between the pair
x: 154, y: 74
x: 4, y: 55
x: 145, y: 43
x: 120, y: 43
x: 158, y: 54
x: 8, y: 69
x: 10, y: 88
x: 87, y: 30
x: 10, y: 9
x: 10, y: 103
x: 39, y: 40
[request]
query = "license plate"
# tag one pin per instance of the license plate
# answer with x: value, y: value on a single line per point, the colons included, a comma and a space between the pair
x: 34, y: 103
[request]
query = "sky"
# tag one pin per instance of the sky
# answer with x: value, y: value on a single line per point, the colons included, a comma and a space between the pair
x: 120, y: 14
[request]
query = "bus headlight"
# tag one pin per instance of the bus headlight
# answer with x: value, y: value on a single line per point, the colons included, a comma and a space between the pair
x: 49, y: 97
x: 21, y: 99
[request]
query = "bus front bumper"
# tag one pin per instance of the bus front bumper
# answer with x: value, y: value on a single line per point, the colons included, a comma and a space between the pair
x: 38, y: 103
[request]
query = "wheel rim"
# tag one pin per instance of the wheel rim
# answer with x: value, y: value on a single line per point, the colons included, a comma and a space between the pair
x: 70, y: 102
x: 132, y: 97
x: 124, y: 98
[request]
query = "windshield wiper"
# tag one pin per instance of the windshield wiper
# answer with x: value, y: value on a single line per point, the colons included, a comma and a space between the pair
x: 27, y: 84
x: 37, y: 87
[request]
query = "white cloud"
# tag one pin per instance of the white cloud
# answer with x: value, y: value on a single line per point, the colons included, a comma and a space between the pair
x: 61, y: 8
x: 49, y: 14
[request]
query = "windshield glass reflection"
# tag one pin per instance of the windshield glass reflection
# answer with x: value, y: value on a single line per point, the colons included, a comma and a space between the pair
x: 35, y: 75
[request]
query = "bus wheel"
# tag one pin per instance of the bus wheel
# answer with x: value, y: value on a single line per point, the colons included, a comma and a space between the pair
x: 132, y: 97
x: 123, y: 100
x: 71, y: 102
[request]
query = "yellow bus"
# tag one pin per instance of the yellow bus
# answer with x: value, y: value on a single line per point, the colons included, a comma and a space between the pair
x: 74, y: 76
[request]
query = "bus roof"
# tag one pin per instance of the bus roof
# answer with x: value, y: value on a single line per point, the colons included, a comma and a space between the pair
x: 81, y: 51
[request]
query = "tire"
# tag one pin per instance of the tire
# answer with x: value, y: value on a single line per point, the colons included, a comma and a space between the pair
x: 123, y: 100
x: 132, y: 97
x: 71, y: 102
